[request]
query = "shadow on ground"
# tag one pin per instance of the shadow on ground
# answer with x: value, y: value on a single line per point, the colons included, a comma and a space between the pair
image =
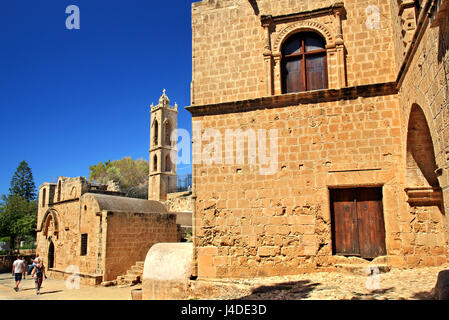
x: 297, y: 290
x: 424, y: 295
x: 48, y: 292
x: 372, y: 295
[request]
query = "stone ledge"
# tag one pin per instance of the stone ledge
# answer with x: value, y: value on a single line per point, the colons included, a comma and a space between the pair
x: 306, y: 97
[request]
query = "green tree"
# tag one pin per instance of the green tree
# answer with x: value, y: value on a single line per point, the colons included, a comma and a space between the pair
x: 18, y: 217
x: 18, y: 210
x: 22, y: 182
x: 132, y: 175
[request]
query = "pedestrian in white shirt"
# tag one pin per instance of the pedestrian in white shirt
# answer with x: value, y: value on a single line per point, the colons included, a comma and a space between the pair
x: 17, y: 270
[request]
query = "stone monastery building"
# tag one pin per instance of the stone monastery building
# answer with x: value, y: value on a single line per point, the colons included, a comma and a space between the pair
x: 357, y: 92
x: 96, y: 232
x: 345, y: 102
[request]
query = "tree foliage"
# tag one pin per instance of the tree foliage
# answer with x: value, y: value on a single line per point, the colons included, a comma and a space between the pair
x: 18, y: 218
x: 22, y: 182
x: 18, y: 210
x: 132, y: 175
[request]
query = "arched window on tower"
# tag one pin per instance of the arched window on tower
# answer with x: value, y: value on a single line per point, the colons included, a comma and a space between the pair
x: 156, y: 133
x: 168, y: 163
x: 167, y: 134
x: 304, y: 63
x: 155, y: 163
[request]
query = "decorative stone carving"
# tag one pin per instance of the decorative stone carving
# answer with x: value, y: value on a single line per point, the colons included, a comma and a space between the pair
x: 303, y: 26
x: 324, y: 21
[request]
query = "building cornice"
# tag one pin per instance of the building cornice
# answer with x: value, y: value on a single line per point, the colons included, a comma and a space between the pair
x: 268, y: 19
x: 300, y: 98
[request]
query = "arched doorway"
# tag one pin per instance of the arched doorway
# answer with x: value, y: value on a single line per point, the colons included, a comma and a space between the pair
x: 51, y: 255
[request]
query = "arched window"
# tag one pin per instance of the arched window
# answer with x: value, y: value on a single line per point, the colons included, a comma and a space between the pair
x: 155, y: 163
x: 59, y: 190
x: 167, y: 163
x: 304, y: 63
x: 44, y: 196
x: 156, y: 133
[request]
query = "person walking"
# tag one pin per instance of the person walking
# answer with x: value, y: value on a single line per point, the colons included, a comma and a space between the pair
x: 17, y: 271
x: 38, y: 275
x: 30, y: 269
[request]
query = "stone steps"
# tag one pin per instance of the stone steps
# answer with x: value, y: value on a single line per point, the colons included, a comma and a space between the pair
x: 133, y: 275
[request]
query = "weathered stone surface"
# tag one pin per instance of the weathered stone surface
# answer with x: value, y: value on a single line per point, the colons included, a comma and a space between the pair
x: 167, y: 271
x: 168, y: 261
x: 136, y: 294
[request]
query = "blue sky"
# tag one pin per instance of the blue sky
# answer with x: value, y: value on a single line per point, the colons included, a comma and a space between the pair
x: 72, y: 98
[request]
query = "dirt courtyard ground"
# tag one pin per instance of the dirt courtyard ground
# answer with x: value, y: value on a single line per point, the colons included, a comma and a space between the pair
x: 57, y: 290
x: 397, y: 284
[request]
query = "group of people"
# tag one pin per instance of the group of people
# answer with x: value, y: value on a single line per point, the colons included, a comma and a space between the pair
x: 36, y: 270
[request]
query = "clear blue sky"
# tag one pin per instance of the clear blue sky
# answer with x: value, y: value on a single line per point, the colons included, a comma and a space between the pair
x: 72, y: 98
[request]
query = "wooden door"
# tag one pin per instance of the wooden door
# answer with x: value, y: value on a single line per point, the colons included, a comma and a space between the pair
x: 357, y: 222
x: 370, y: 220
x: 344, y: 222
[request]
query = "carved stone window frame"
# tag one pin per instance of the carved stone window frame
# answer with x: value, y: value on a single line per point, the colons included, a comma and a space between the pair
x: 279, y: 28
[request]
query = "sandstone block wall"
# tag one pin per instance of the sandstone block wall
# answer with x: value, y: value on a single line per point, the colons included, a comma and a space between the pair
x: 131, y: 235
x: 425, y: 86
x: 248, y: 224
x: 229, y: 44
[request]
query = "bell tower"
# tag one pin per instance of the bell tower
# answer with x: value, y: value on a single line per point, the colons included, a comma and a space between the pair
x: 163, y: 151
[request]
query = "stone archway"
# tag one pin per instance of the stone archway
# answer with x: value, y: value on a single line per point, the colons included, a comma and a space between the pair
x: 421, y: 164
x: 50, y: 225
x: 426, y: 240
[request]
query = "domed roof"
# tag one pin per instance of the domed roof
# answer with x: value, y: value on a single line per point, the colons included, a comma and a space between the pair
x: 123, y: 204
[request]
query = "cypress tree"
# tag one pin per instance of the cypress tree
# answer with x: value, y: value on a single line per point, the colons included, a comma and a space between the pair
x: 22, y: 183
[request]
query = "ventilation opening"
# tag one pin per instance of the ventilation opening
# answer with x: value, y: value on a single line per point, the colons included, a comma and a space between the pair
x: 84, y: 244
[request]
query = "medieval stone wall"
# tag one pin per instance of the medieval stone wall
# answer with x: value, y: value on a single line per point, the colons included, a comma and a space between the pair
x: 61, y: 227
x: 229, y: 44
x: 131, y: 235
x: 179, y: 202
x: 426, y: 87
x: 248, y: 224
